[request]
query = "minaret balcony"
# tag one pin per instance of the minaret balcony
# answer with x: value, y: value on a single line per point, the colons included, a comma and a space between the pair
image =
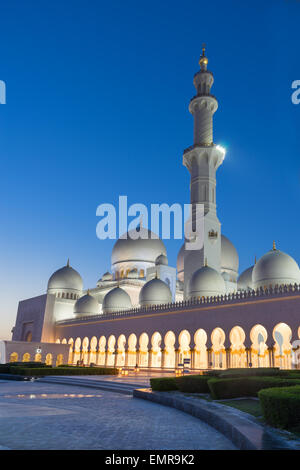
x: 214, y: 155
x: 203, y: 101
x: 203, y: 94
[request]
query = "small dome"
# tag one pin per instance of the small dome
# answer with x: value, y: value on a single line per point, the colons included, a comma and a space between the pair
x: 107, y: 277
x: 155, y: 292
x: 116, y: 300
x: 146, y: 248
x: 206, y: 282
x: 86, y: 305
x: 275, y: 268
x: 245, y: 280
x: 161, y: 259
x: 229, y: 255
x: 65, y: 279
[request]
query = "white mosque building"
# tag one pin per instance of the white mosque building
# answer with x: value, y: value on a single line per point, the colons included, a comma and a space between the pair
x: 147, y: 313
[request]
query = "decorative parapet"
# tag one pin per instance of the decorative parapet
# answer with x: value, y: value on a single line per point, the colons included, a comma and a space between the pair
x: 192, y: 303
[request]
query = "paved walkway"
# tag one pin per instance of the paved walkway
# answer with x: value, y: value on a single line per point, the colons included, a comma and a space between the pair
x: 51, y: 416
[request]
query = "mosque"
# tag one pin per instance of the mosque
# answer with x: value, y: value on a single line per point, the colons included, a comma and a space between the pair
x: 144, y: 312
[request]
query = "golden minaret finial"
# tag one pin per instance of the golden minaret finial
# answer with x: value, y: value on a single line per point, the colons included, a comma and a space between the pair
x: 205, y: 262
x: 68, y: 262
x: 203, y: 59
x: 255, y: 259
x: 88, y: 292
x: 274, y: 245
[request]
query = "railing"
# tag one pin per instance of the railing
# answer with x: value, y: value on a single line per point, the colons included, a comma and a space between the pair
x: 193, y: 303
x: 191, y: 147
x: 210, y: 95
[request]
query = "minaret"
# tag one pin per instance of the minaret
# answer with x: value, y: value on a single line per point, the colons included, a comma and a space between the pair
x: 202, y: 160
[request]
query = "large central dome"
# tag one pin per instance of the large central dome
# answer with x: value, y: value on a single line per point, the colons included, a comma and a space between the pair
x: 146, y: 248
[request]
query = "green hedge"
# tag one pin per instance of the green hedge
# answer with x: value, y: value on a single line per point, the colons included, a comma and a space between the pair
x: 256, y: 371
x: 246, y: 386
x: 63, y: 371
x: 188, y: 384
x: 193, y: 383
x: 30, y: 364
x: 164, y: 384
x: 281, y: 407
x: 213, y: 372
x: 251, y: 372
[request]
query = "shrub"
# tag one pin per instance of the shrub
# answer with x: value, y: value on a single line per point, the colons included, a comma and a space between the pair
x: 27, y: 364
x: 213, y: 373
x: 193, y: 384
x: 63, y: 371
x: 246, y: 386
x: 251, y: 372
x: 4, y: 369
x: 281, y: 406
x: 163, y: 384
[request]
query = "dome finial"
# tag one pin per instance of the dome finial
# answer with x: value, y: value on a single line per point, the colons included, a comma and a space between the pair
x: 255, y: 259
x: 274, y: 245
x: 205, y: 262
x: 203, y: 59
x: 88, y: 292
x: 68, y: 263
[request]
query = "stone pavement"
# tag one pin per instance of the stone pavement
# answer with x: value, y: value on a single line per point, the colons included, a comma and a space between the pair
x: 51, y: 416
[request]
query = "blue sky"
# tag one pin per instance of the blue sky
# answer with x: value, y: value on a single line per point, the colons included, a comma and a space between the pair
x: 97, y: 107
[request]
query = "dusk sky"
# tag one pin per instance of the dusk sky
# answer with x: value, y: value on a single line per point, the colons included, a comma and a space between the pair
x: 97, y: 107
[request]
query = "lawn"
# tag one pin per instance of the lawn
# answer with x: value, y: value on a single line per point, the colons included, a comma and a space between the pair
x: 248, y: 405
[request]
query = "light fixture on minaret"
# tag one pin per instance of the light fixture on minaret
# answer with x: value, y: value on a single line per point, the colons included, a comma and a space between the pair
x: 202, y: 160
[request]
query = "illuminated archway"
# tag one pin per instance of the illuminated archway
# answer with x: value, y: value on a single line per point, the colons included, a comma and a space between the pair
x: 259, y: 348
x: 85, y: 350
x: 218, y: 351
x: 120, y: 360
x: 200, y: 359
x: 38, y: 357
x: 132, y: 341
x: 70, y: 358
x: 169, y: 354
x: 111, y: 351
x: 237, y: 349
x: 282, y: 335
x: 184, y: 340
x: 93, y: 350
x: 76, y: 357
x: 26, y: 357
x: 49, y: 359
x: 143, y: 350
x: 13, y: 357
x: 59, y: 360
x: 156, y: 350
x: 102, y: 345
x: 28, y: 337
